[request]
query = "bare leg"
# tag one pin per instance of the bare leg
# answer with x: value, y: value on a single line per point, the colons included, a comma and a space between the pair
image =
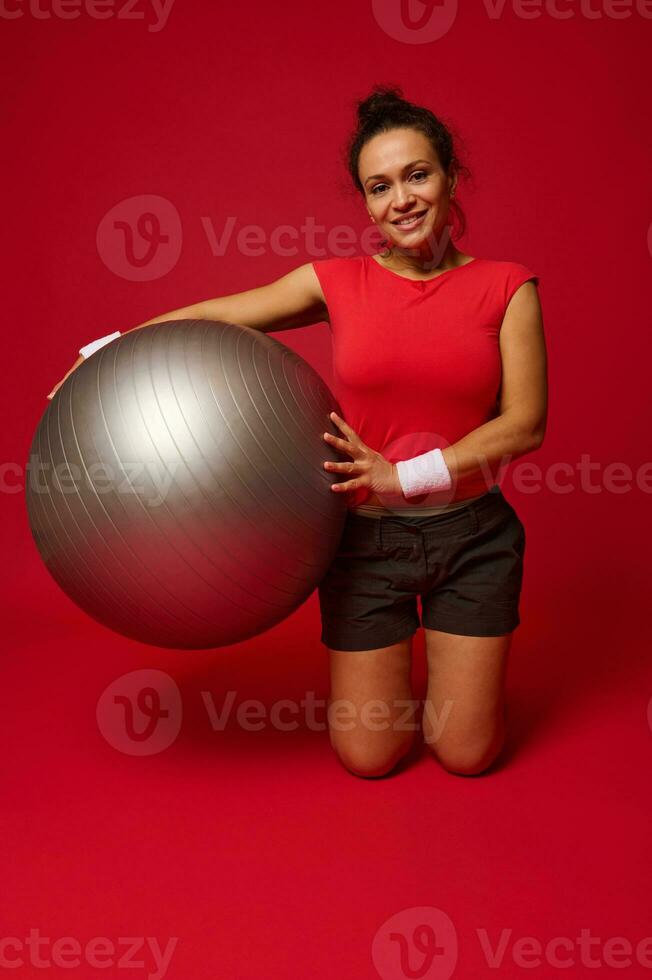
x: 375, y: 724
x: 464, y: 712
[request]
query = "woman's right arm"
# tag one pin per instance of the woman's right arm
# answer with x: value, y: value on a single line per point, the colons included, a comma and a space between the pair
x: 294, y: 300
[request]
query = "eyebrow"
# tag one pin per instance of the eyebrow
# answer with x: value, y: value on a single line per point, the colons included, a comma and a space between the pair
x: 406, y: 167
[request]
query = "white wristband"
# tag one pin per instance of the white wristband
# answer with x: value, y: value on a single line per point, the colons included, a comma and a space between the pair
x: 96, y: 344
x: 424, y: 473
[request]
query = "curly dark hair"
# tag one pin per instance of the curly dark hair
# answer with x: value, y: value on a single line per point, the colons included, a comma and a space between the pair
x: 386, y: 109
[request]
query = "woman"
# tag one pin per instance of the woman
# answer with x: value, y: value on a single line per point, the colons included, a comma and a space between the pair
x: 440, y: 367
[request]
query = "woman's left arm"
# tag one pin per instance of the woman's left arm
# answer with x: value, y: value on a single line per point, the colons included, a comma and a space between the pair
x: 523, y: 407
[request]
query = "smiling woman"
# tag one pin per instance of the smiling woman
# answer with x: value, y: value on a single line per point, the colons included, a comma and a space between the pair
x: 408, y: 195
x: 440, y: 370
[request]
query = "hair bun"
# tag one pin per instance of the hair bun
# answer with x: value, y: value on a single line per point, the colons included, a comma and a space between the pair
x: 378, y: 102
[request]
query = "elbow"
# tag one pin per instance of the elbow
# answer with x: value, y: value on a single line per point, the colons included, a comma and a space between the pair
x: 528, y: 434
x: 533, y: 436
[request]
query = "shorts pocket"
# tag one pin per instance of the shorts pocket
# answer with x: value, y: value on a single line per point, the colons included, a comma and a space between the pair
x: 503, y: 516
x: 358, y: 541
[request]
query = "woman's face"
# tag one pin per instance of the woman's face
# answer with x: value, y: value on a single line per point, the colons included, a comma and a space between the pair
x: 401, y: 175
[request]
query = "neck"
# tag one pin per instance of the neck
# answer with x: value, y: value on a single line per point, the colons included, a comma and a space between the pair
x: 427, y: 257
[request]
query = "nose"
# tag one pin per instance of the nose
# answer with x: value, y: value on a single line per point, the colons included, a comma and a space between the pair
x: 403, y: 197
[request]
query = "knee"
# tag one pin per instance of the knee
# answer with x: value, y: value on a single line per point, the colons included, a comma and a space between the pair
x: 467, y: 764
x: 371, y: 762
x: 471, y: 759
x: 369, y: 768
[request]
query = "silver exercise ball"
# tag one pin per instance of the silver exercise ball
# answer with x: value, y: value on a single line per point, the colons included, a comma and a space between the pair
x: 176, y: 489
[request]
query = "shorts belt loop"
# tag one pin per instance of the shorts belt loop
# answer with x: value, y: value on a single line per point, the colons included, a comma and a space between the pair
x: 474, y: 523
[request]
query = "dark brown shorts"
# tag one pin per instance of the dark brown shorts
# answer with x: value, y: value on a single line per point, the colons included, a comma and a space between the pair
x: 466, y: 567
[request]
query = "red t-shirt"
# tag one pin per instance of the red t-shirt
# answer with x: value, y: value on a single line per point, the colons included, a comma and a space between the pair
x: 416, y: 363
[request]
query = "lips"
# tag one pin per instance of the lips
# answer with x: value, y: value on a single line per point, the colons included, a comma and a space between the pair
x: 404, y: 218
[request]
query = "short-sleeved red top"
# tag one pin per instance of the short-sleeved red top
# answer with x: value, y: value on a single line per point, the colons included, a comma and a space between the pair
x: 417, y: 363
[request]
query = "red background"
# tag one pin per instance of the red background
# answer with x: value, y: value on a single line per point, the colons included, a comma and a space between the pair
x: 257, y: 849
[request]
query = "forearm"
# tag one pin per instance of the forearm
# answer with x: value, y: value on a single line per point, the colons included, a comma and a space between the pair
x: 498, y: 441
x: 214, y: 309
x: 197, y: 311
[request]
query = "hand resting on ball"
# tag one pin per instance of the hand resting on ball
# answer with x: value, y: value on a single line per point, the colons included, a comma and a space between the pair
x: 57, y: 386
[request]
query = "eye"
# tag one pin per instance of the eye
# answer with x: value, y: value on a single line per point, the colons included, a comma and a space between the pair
x: 422, y: 173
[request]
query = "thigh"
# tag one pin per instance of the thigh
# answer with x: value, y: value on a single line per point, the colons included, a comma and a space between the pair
x: 478, y: 576
x: 371, y: 709
x: 362, y: 604
x: 464, y: 711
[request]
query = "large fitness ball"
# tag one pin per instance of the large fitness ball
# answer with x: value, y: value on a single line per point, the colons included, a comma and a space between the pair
x: 176, y: 489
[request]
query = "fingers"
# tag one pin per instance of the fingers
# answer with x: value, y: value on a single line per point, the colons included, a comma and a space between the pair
x: 352, y: 444
x: 341, y: 424
x: 338, y: 421
x: 58, y: 385
x: 338, y: 443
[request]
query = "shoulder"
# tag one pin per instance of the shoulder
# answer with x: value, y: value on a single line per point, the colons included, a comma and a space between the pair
x: 339, y: 262
x: 506, y: 268
x: 505, y: 277
x: 335, y: 269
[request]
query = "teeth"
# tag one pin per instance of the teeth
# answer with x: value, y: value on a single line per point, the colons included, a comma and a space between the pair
x: 408, y: 221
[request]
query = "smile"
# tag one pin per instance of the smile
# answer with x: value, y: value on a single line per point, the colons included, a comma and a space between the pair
x: 411, y: 221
